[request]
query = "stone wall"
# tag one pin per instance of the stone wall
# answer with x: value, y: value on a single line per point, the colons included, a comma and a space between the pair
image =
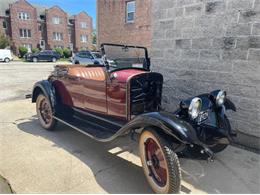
x: 202, y: 45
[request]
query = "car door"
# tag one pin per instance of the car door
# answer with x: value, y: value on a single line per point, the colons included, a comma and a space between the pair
x: 87, y: 88
x: 42, y: 56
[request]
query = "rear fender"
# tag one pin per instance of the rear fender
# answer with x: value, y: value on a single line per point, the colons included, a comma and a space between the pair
x: 168, y: 123
x: 47, y: 89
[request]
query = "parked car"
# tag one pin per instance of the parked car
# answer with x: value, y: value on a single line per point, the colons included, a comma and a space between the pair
x: 87, y: 57
x: 5, y: 55
x: 105, y: 102
x: 46, y: 55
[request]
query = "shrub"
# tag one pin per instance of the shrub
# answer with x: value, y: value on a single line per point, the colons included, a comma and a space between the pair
x: 4, y: 42
x: 34, y: 50
x: 67, y: 53
x: 22, y: 51
x: 59, y: 51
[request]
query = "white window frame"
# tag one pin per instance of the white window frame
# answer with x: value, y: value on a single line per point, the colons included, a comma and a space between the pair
x: 56, y: 20
x: 25, y: 33
x: 57, y: 36
x: 28, y: 46
x: 128, y: 4
x: 83, y: 25
x: 5, y: 24
x: 83, y: 38
x: 23, y: 15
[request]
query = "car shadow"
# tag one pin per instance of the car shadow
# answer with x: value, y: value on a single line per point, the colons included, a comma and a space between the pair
x: 113, y: 161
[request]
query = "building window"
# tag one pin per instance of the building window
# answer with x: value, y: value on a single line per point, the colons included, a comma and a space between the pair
x: 28, y: 46
x: 25, y: 33
x: 130, y: 11
x: 83, y: 25
x: 83, y: 38
x: 24, y: 15
x: 4, y: 24
x: 56, y: 20
x: 57, y: 36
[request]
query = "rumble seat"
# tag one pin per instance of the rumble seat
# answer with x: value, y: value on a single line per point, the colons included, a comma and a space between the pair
x: 91, y: 73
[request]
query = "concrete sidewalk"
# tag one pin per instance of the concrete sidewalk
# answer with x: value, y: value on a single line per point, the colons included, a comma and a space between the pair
x: 34, y: 160
x: 4, y: 186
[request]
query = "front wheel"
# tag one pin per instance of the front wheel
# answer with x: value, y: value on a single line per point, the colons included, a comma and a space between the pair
x: 160, y: 164
x: 54, y: 59
x: 44, y: 112
x: 225, y: 124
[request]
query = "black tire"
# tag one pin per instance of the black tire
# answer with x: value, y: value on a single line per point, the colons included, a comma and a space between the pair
x: 220, y: 147
x: 7, y: 60
x: 35, y: 59
x: 170, y: 159
x: 44, y: 112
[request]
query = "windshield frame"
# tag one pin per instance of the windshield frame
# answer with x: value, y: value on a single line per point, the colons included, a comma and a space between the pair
x: 103, y: 53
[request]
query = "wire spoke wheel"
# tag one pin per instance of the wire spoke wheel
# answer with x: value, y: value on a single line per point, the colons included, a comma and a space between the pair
x: 160, y: 164
x: 44, y: 112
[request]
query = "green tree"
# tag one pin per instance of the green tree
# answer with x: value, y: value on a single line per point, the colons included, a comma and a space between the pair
x: 34, y: 50
x: 4, y: 41
x: 67, y: 53
x: 22, y: 51
x: 94, y: 37
x: 59, y: 51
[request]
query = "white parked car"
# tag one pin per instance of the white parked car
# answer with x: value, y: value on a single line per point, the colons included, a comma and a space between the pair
x: 5, y: 55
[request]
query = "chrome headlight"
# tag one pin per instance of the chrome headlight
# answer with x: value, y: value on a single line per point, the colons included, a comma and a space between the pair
x: 195, y: 107
x: 221, y: 97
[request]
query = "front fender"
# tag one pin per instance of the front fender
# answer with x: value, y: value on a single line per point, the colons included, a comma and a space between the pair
x: 169, y: 123
x: 229, y: 105
x: 47, y: 89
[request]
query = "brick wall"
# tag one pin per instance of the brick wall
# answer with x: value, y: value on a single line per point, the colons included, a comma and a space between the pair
x: 201, y: 45
x: 16, y: 24
x: 112, y: 28
x: 60, y: 28
x: 83, y: 17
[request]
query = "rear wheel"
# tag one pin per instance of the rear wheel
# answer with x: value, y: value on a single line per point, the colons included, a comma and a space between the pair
x: 35, y: 59
x: 54, y: 59
x: 7, y: 60
x: 44, y: 112
x: 160, y: 164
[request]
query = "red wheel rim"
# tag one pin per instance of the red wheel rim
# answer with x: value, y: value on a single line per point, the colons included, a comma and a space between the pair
x: 45, y: 111
x: 155, y: 162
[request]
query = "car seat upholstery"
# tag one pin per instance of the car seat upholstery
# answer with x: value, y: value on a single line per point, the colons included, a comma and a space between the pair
x: 91, y: 73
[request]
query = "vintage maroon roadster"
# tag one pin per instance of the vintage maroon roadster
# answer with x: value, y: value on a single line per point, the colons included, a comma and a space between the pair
x: 122, y: 95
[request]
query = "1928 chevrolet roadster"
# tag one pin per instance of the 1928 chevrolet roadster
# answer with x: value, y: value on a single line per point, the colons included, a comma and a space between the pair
x: 105, y: 101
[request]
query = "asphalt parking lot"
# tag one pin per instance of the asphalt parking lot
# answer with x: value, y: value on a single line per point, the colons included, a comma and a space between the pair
x: 34, y: 160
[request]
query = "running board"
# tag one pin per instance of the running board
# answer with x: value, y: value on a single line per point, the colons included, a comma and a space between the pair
x: 93, y: 130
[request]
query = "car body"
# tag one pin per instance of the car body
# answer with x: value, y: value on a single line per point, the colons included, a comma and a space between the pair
x: 105, y: 102
x: 46, y: 55
x: 87, y: 57
x: 5, y: 55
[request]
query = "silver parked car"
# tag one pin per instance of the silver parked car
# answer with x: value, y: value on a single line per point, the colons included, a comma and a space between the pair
x: 87, y: 57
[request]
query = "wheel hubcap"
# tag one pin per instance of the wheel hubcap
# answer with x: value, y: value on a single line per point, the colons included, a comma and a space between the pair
x: 155, y: 162
x: 45, y: 111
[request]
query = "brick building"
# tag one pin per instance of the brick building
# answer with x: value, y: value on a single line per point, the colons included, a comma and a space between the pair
x: 36, y: 26
x: 204, y: 45
x: 124, y: 21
